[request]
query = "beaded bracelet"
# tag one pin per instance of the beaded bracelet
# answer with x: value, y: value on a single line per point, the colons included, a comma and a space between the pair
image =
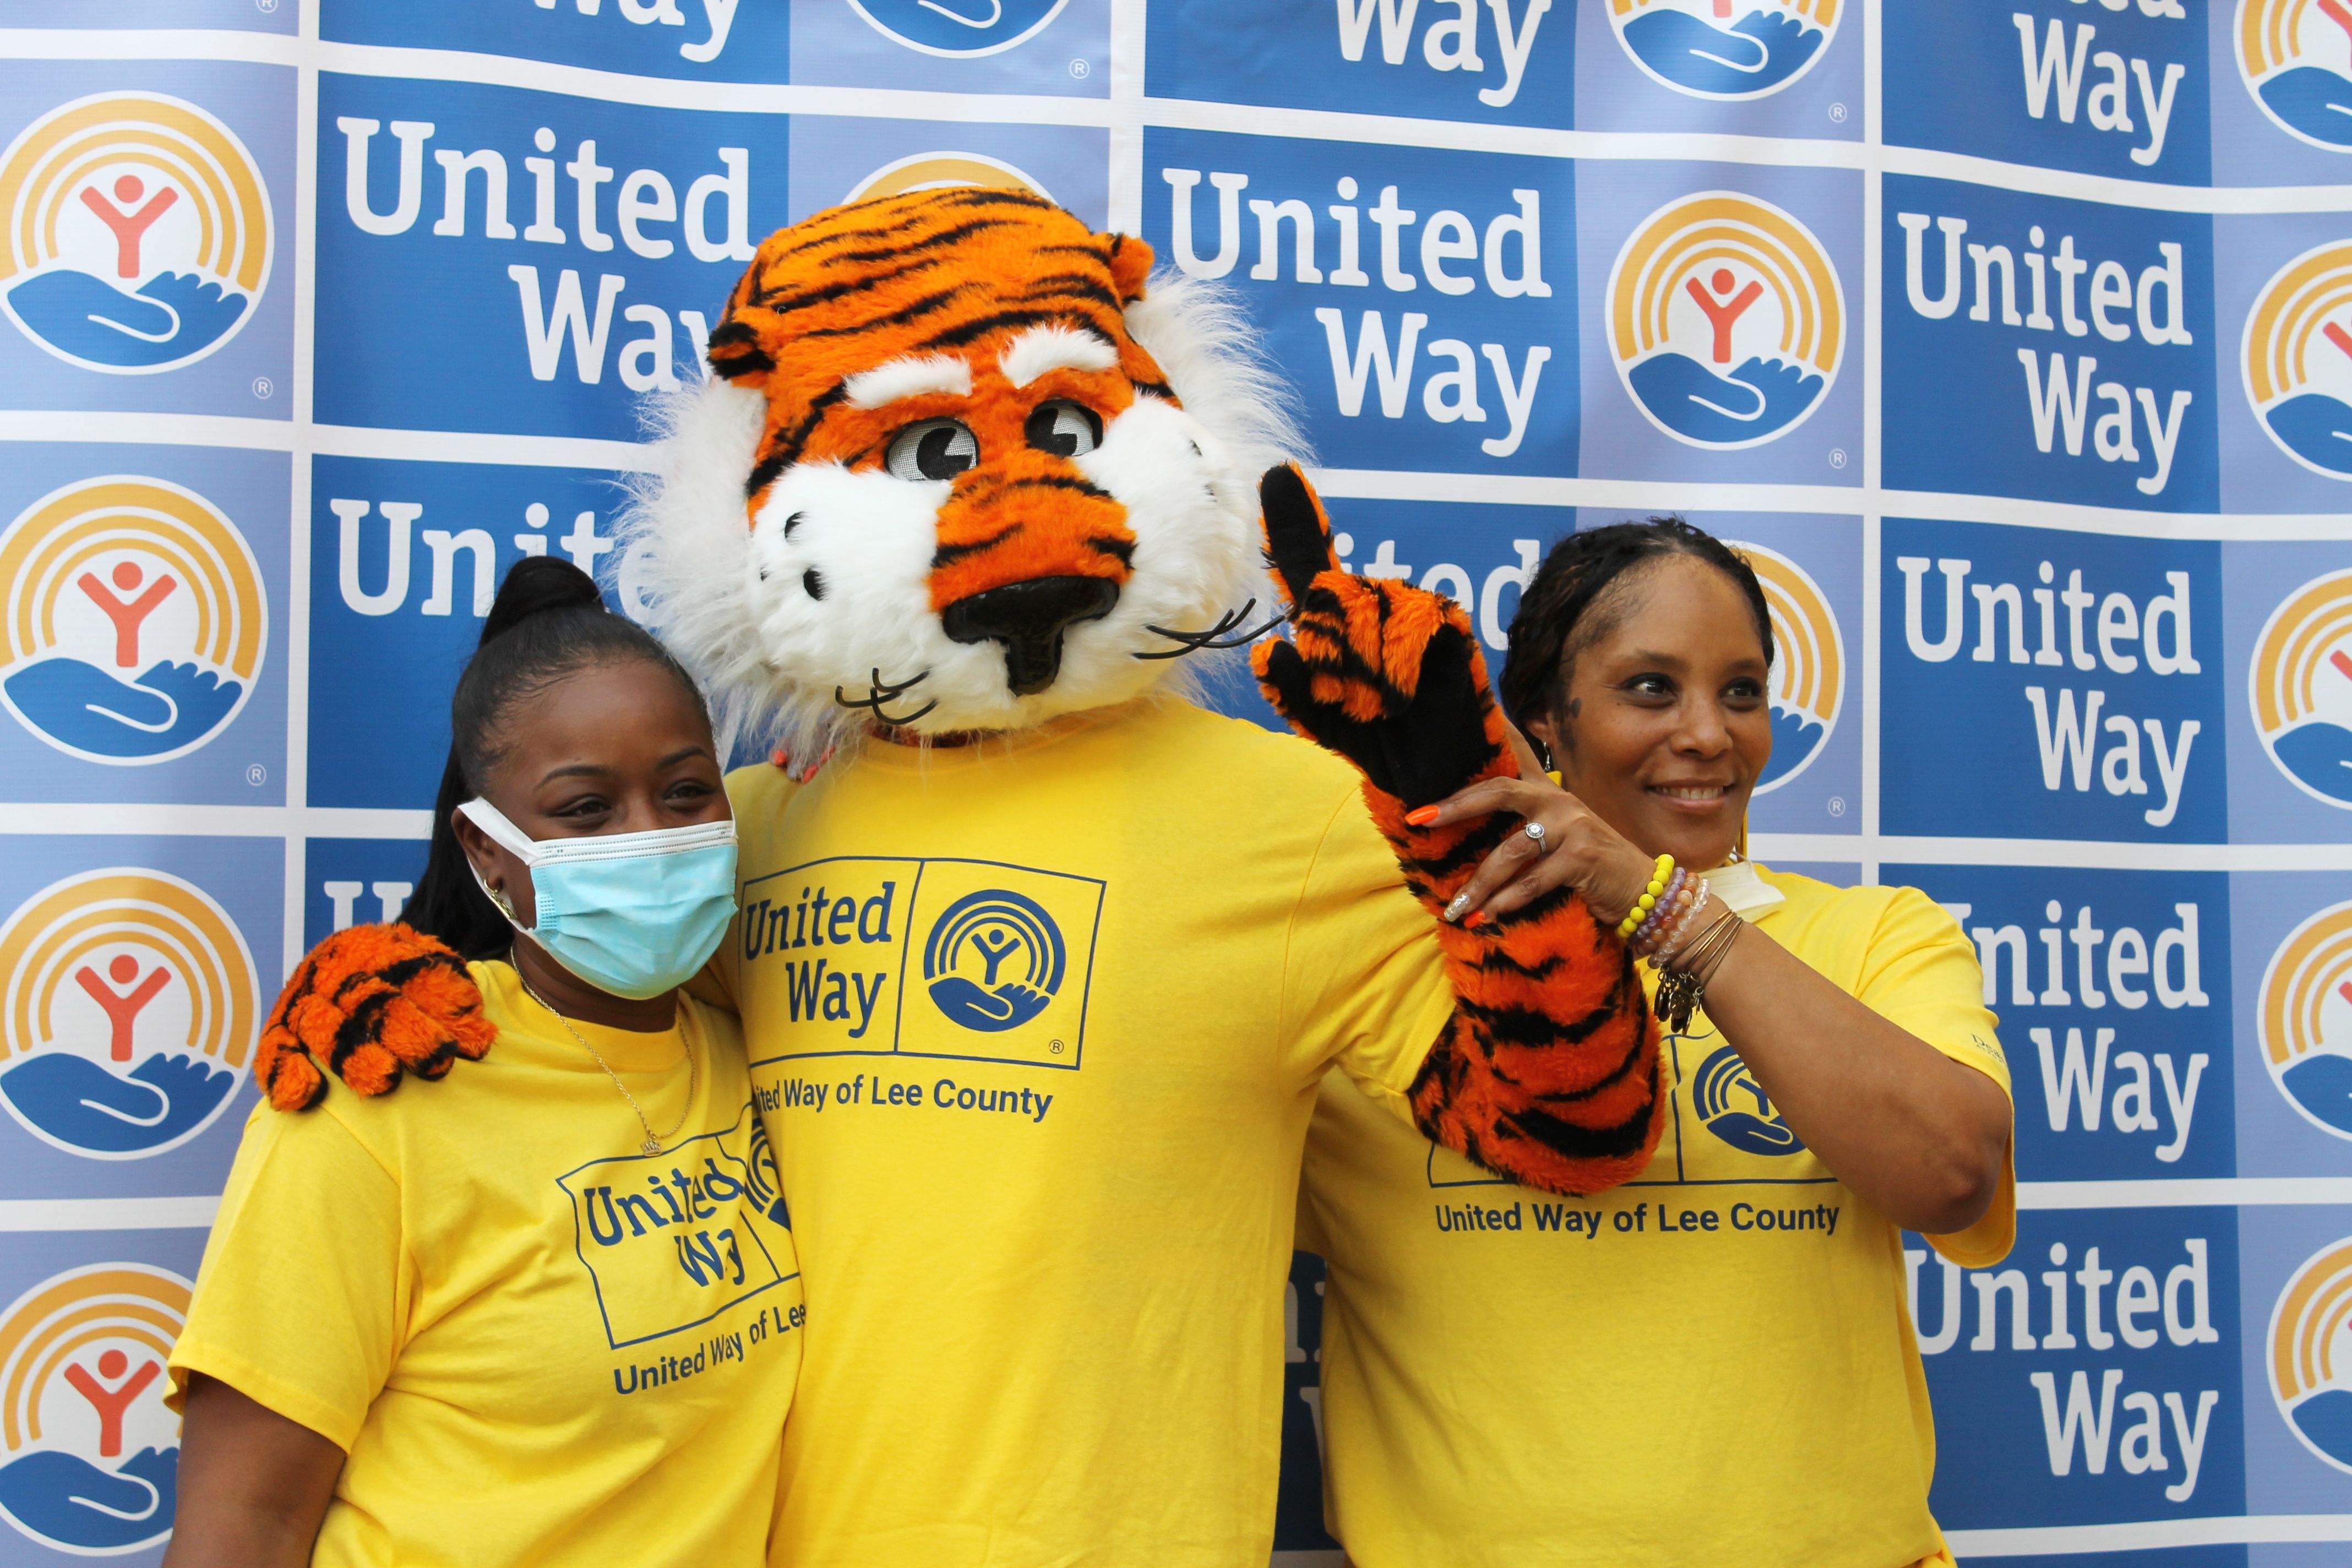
x: 1647, y: 901
x: 1645, y: 935
x: 1687, y: 920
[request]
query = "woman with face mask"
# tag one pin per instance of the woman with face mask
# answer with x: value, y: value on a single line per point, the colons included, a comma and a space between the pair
x: 1712, y: 1363
x: 551, y: 1315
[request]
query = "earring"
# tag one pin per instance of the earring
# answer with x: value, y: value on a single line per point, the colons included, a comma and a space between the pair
x: 505, y: 904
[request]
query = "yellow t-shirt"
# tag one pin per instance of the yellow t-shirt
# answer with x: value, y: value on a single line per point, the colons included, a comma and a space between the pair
x: 1036, y: 1024
x: 536, y: 1344
x: 1713, y: 1363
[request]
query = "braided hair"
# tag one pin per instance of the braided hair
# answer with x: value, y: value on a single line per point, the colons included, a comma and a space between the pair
x: 1569, y: 606
x: 548, y: 622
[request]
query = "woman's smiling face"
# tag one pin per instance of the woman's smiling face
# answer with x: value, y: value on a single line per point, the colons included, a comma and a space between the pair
x: 1664, y: 722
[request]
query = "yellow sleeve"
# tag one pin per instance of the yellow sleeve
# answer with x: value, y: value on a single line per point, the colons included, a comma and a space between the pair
x: 1921, y: 974
x: 303, y: 1295
x: 1364, y: 982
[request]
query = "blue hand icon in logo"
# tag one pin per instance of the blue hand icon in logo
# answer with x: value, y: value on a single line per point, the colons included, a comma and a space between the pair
x: 90, y: 709
x: 959, y: 27
x: 1794, y: 736
x: 2313, y: 100
x: 65, y: 1499
x: 1016, y: 948
x: 172, y: 317
x: 2315, y: 427
x: 77, y: 1102
x: 1758, y: 53
x: 1756, y: 399
x: 1736, y: 1109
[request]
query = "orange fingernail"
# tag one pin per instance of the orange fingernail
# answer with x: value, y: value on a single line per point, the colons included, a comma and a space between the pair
x: 1474, y: 922
x: 1423, y: 817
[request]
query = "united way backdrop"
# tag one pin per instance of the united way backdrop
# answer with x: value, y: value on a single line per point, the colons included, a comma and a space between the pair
x: 2014, y: 339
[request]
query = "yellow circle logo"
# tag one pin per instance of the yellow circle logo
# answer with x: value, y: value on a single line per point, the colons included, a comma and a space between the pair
x: 139, y: 234
x: 2311, y: 1354
x: 128, y: 1007
x: 1725, y: 321
x: 2295, y: 58
x: 1808, y: 664
x: 2304, y: 1019
x: 2297, y: 359
x: 2300, y: 687
x: 938, y: 170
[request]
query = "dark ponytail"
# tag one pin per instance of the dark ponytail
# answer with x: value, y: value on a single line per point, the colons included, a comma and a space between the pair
x: 548, y: 622
x: 1556, y: 618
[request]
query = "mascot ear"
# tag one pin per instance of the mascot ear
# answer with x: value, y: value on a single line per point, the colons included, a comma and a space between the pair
x: 1130, y: 263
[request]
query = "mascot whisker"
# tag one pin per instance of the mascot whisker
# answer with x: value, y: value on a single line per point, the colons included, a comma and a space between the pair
x: 1040, y: 971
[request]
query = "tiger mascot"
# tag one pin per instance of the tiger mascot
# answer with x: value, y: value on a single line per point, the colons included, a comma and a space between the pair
x: 1039, y: 962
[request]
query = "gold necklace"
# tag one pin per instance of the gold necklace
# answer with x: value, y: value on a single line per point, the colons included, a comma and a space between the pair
x: 654, y: 1141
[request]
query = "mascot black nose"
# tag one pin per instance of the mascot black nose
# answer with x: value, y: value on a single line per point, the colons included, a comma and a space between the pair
x: 1029, y: 619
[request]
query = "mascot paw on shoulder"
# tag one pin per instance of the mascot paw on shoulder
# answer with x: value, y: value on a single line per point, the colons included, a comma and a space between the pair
x: 963, y: 467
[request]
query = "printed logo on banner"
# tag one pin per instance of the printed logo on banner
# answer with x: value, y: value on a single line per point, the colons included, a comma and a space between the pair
x: 139, y: 233
x: 90, y: 1456
x: 937, y: 170
x: 2311, y: 1354
x: 135, y: 620
x: 2304, y: 1020
x: 2295, y: 58
x: 1725, y: 319
x: 1725, y: 48
x: 2297, y: 358
x: 128, y: 1004
x: 959, y: 28
x: 1808, y: 664
x: 2300, y: 683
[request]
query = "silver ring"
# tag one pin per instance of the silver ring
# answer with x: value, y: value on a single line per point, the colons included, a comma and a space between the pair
x: 1535, y: 831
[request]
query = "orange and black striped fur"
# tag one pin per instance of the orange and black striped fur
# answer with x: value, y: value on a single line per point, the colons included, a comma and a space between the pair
x: 1547, y: 1070
x: 369, y: 1005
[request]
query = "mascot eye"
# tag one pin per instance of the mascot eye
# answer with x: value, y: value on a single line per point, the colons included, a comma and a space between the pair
x: 1064, y: 428
x: 931, y: 450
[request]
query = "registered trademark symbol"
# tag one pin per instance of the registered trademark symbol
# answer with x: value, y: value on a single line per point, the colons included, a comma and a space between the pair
x: 1837, y: 115
x: 256, y: 776
x: 1837, y: 456
x: 1081, y: 69
x: 1837, y: 805
x: 262, y: 386
x: 1057, y: 1045
x: 266, y: 4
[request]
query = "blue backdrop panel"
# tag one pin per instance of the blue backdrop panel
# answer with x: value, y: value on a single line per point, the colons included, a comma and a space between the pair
x: 2025, y: 378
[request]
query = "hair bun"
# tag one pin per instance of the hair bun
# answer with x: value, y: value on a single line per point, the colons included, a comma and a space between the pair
x: 536, y: 584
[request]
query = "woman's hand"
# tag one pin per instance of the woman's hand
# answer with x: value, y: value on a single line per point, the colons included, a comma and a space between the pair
x: 1578, y: 850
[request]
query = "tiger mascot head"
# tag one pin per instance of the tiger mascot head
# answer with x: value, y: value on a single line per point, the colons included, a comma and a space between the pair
x: 957, y: 469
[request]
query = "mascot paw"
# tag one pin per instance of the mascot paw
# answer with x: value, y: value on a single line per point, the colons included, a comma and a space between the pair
x: 369, y: 1005
x: 1385, y: 674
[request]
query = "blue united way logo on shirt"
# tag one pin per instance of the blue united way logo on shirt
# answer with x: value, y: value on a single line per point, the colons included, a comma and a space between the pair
x: 994, y: 960
x: 1736, y: 1109
x: 959, y: 27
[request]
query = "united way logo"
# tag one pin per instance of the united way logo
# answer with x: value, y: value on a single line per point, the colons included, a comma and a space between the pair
x: 127, y: 1010
x: 959, y: 27
x: 2301, y: 687
x: 939, y: 171
x: 1725, y: 321
x: 2311, y: 1354
x: 1734, y: 1108
x: 88, y: 1455
x: 2297, y: 358
x: 135, y: 621
x: 1807, y: 665
x: 139, y: 234
x: 2304, y: 1019
x: 994, y: 960
x: 2296, y: 56
x: 1725, y: 48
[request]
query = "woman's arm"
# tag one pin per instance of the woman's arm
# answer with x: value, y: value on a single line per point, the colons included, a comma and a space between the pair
x: 253, y: 1484
x: 1922, y: 1138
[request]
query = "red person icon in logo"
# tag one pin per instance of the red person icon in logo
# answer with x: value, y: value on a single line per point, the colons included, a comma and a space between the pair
x: 128, y: 226
x: 127, y: 615
x: 111, y: 1403
x: 122, y: 1007
x: 1723, y: 306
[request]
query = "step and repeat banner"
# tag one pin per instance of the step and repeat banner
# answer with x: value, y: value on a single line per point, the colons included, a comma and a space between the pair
x: 2014, y: 341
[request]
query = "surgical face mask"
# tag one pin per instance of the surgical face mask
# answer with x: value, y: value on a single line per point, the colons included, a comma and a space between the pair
x: 634, y: 914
